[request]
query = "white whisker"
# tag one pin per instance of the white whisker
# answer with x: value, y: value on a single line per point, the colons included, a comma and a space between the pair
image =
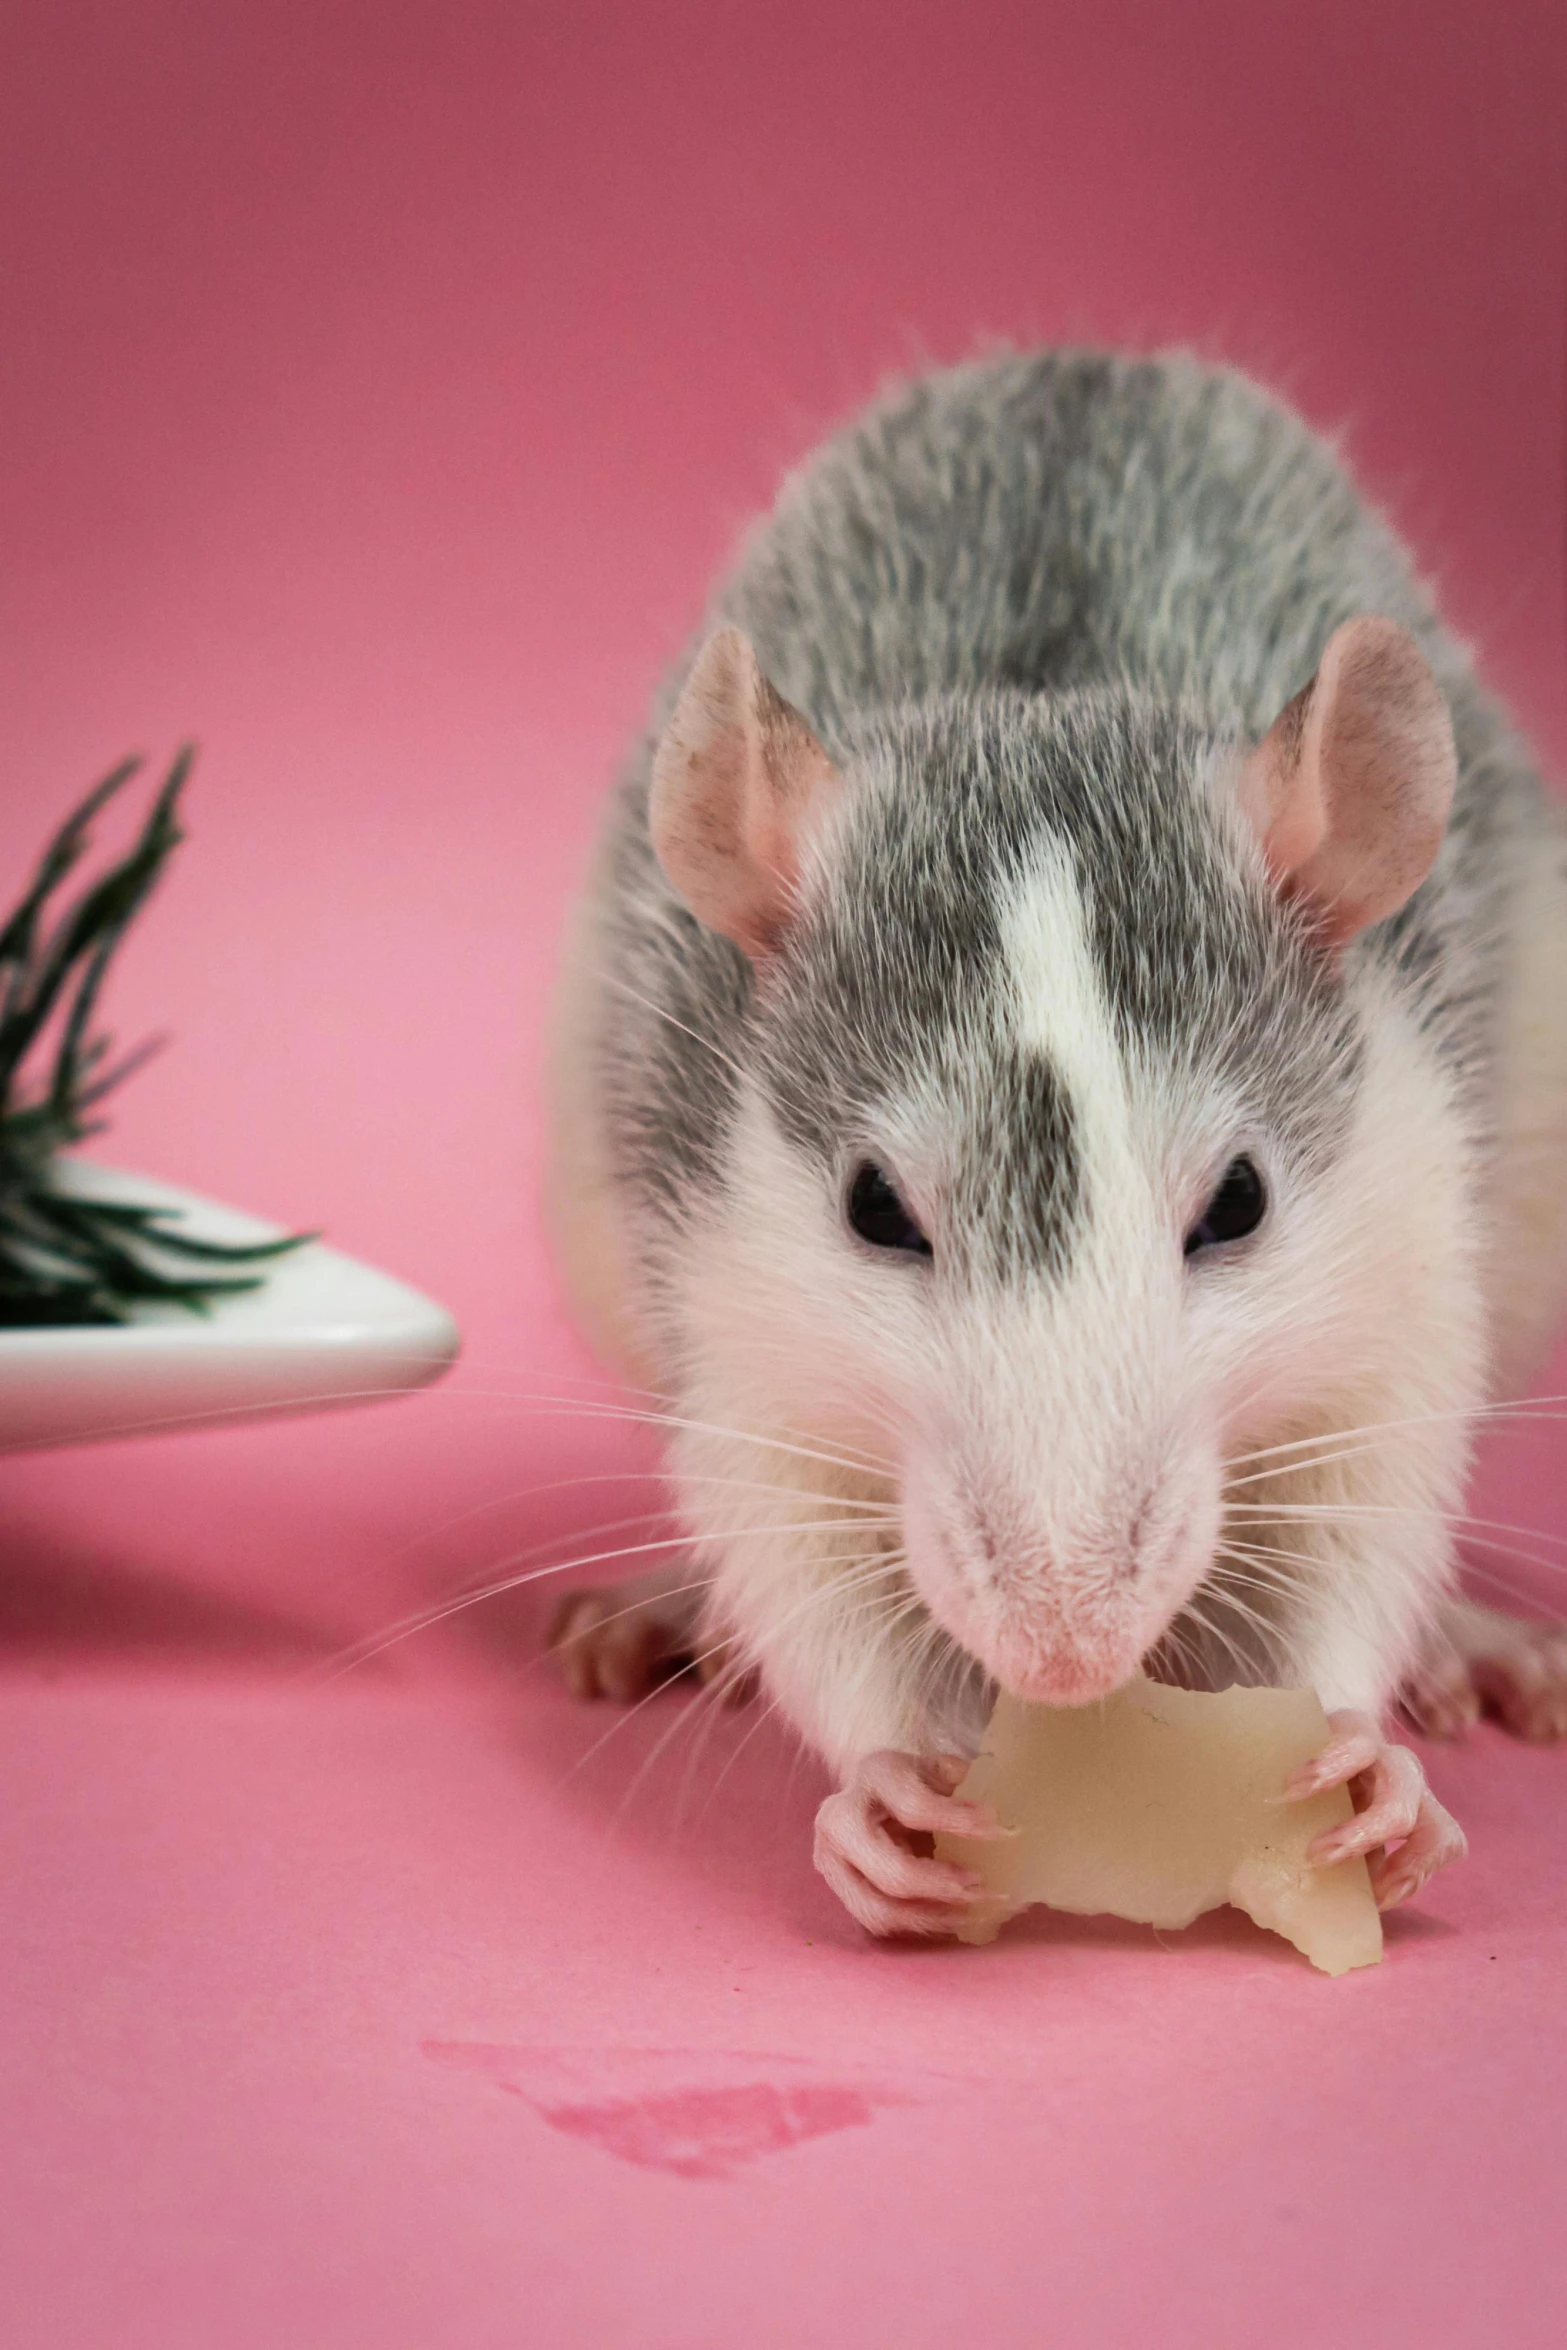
x: 633, y: 995
x: 1524, y: 1409
x: 359, y: 1652
x: 819, y: 1594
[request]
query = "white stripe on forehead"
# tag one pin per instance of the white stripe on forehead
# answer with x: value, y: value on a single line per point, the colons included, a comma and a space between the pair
x: 1058, y: 1001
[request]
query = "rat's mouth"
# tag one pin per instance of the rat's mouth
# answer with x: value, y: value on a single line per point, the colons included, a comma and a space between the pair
x: 1052, y: 1618
x: 1044, y: 1661
x: 1069, y: 1678
x: 1032, y: 1646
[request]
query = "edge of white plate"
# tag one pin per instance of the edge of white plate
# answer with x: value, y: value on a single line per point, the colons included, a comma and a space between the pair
x: 322, y: 1332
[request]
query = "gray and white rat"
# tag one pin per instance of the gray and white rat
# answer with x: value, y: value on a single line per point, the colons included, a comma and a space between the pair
x: 1060, y: 1089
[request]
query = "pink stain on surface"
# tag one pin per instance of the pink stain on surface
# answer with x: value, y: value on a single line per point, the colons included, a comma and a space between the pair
x: 695, y: 2127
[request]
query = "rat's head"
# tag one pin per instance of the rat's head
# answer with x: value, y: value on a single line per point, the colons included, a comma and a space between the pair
x: 1055, y: 1074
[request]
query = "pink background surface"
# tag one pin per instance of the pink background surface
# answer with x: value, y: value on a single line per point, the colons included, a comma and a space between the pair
x: 380, y: 387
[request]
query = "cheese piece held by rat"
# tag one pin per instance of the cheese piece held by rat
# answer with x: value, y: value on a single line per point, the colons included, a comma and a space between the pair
x: 1061, y: 1089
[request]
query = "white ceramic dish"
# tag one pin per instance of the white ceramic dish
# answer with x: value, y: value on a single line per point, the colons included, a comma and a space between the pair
x: 321, y: 1331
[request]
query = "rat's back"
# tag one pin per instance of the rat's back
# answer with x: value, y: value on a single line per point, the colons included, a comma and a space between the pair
x: 1062, y: 520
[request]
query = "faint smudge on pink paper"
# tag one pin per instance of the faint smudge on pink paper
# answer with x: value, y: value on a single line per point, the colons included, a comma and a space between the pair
x: 698, y: 2114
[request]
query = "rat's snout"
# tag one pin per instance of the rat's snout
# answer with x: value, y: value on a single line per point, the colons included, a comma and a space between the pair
x: 1058, y: 1593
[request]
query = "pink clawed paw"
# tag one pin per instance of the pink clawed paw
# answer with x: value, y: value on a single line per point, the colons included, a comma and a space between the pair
x: 1483, y: 1662
x: 609, y: 1648
x: 1399, y: 1828
x: 1522, y: 1679
x: 873, y: 1842
x: 619, y: 1643
x: 1439, y: 1699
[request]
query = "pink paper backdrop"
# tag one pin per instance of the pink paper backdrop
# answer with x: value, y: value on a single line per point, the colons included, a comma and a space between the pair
x: 380, y: 387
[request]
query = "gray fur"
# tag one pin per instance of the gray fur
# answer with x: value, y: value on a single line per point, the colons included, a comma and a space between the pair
x: 1033, y: 598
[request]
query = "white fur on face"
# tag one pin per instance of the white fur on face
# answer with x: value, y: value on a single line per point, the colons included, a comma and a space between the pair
x: 1050, y: 1445
x: 1064, y: 1498
x: 1058, y: 1008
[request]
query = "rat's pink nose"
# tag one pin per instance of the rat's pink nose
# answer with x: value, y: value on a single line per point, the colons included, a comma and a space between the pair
x: 1071, y: 1676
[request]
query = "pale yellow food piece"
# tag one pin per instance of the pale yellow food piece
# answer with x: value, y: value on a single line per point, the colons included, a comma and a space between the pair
x: 1158, y: 1804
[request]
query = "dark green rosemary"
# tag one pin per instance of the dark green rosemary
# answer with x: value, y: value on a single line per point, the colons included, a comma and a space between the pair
x: 66, y: 1259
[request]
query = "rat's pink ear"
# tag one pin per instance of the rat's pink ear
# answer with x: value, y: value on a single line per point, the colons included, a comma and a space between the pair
x: 737, y: 780
x: 1349, y: 791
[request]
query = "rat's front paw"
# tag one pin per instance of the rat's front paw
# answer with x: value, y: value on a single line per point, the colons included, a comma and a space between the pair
x: 1393, y: 1806
x: 874, y: 1843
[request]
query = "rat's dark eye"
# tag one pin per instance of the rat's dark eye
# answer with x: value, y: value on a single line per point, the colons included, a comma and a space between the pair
x: 878, y: 1215
x: 1236, y: 1208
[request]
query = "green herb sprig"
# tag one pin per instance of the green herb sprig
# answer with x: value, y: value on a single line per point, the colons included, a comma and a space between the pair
x: 66, y: 1259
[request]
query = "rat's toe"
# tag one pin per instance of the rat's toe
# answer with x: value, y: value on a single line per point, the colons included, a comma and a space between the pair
x: 1439, y: 1699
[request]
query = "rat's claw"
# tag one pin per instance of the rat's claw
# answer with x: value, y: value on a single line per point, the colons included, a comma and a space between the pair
x: 1393, y: 1807
x: 873, y: 1843
x: 1355, y: 1745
